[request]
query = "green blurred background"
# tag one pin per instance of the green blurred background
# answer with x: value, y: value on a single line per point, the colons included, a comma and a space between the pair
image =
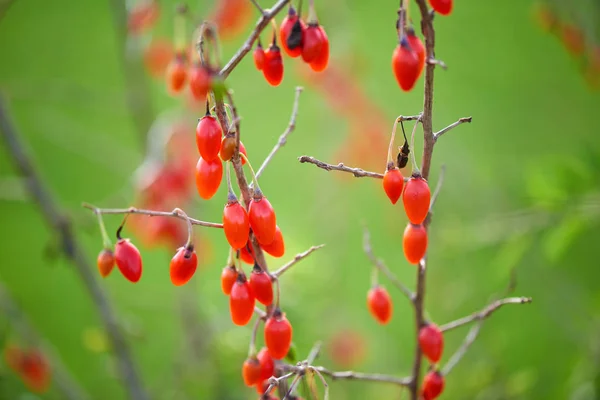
x: 521, y: 193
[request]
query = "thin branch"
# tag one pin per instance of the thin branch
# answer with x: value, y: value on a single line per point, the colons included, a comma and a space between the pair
x: 258, y: 7
x: 152, y: 213
x: 357, y: 172
x: 61, y: 224
x: 283, y: 138
x: 486, y: 312
x: 297, y: 258
x: 437, y: 135
x: 314, y: 353
x: 351, y: 375
x: 323, y: 381
x: 65, y: 383
x: 438, y: 187
x: 260, y: 312
x: 262, y: 23
x: 462, y: 350
x: 380, y: 265
x: 433, y: 61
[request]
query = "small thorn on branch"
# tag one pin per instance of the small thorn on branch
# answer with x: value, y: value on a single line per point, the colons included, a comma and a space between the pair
x: 437, y: 135
x: 357, y: 172
x: 297, y: 258
x: 440, y: 63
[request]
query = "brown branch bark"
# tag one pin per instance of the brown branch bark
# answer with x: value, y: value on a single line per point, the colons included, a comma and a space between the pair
x: 357, y: 172
x: 61, y: 224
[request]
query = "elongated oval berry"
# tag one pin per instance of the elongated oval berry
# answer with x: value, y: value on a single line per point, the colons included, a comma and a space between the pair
x: 177, y: 74
x: 246, y: 254
x: 259, y: 57
x: 433, y: 385
x: 251, y: 371
x: 228, y: 147
x: 286, y: 29
x: 277, y: 247
x: 199, y: 81
x: 417, y: 45
x: 208, y: 177
x: 443, y: 7
x: 183, y: 265
x: 235, y: 224
x: 405, y: 64
x: 313, y: 41
x: 431, y: 341
x: 260, y: 283
x: 380, y: 304
x: 35, y: 371
x: 393, y: 182
x: 414, y: 243
x: 129, y: 260
x: 273, y: 66
x: 416, y: 199
x: 262, y: 219
x: 320, y: 62
x: 241, y: 301
x: 278, y: 335
x: 228, y: 278
x: 106, y: 262
x: 208, y: 137
x: 267, y: 365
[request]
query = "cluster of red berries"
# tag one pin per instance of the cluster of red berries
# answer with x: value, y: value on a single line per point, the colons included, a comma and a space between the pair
x: 297, y: 39
x: 30, y: 365
x: 408, y: 59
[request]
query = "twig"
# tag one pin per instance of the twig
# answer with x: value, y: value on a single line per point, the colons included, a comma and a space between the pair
x: 298, y: 257
x: 458, y: 355
x: 258, y: 7
x: 380, y: 265
x: 486, y: 312
x: 433, y: 61
x: 260, y: 312
x: 351, y: 375
x: 262, y: 23
x: 314, y: 353
x: 152, y: 213
x: 67, y: 385
x: 283, y: 138
x: 438, y: 187
x: 70, y: 247
x: 323, y: 381
x: 357, y: 172
x: 437, y: 135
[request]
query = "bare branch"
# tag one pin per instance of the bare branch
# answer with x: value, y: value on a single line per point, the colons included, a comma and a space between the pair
x: 297, y: 258
x: 437, y: 135
x: 314, y: 352
x: 262, y: 23
x: 260, y: 312
x: 357, y: 172
x: 351, y: 375
x: 283, y: 138
x: 152, y: 213
x: 462, y: 350
x: 323, y: 381
x: 65, y: 383
x: 380, y: 265
x: 438, y: 187
x: 258, y: 7
x: 72, y: 250
x: 486, y: 312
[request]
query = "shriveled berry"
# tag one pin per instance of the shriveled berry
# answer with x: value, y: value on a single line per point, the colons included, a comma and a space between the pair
x: 129, y: 260
x: 183, y: 266
x: 393, y: 182
x: 414, y: 243
x: 431, y: 341
x: 235, y: 224
x: 208, y: 177
x: 380, y: 305
x: 241, y: 301
x: 260, y: 283
x: 286, y: 29
x: 278, y: 335
x: 106, y: 262
x: 416, y: 199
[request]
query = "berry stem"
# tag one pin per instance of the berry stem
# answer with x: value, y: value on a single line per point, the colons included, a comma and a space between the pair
x: 190, y: 228
x: 230, y: 261
x: 254, y: 178
x: 312, y: 13
x: 231, y: 197
x: 278, y: 293
x: 412, y: 144
x: 179, y: 34
x: 120, y: 228
x: 274, y: 41
x: 252, y: 347
x: 390, y: 160
x: 374, y: 276
x: 105, y: 239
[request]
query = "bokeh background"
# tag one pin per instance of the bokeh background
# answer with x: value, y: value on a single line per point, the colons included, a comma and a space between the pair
x: 521, y: 194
